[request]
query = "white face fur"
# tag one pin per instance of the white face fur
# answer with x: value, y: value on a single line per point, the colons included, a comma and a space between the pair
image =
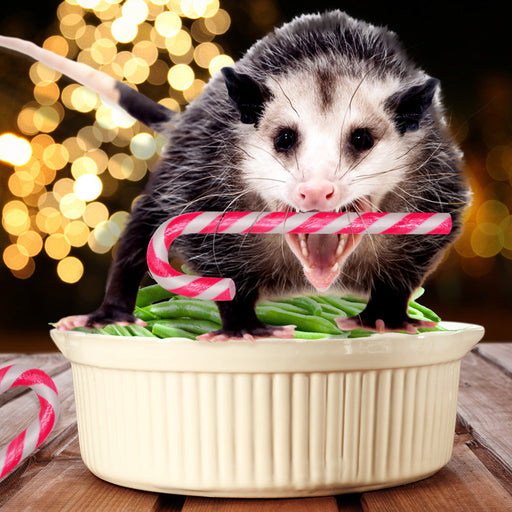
x: 330, y: 150
x: 322, y: 153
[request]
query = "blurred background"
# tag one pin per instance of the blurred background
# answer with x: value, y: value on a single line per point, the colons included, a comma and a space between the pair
x: 70, y: 167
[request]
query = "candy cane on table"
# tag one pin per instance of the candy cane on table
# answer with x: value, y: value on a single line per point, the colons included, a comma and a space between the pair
x: 31, y: 438
x: 215, y: 288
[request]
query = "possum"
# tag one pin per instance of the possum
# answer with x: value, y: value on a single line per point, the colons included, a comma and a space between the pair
x: 326, y: 113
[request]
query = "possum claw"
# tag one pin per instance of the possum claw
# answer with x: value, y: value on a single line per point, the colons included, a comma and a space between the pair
x: 267, y: 331
x: 410, y: 326
x: 91, y: 321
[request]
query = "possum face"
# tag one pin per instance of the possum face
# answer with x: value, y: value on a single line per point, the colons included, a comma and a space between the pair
x: 321, y: 142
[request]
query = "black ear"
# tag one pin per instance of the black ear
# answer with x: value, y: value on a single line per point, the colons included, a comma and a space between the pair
x: 246, y: 94
x: 410, y: 107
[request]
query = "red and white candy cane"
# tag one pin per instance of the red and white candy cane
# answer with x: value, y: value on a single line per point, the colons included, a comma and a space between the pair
x: 215, y: 288
x: 31, y: 438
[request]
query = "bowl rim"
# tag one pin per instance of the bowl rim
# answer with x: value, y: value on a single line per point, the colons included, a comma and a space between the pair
x: 270, y: 355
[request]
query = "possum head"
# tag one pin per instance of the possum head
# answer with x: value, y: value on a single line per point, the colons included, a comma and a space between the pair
x: 320, y: 141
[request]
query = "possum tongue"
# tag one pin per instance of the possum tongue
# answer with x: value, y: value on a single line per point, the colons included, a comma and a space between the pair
x: 321, y: 267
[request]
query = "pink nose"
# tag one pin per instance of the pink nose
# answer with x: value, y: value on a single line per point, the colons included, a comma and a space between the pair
x: 316, y: 194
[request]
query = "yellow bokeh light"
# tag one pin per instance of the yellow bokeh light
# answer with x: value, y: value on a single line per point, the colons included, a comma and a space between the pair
x: 82, y: 166
x: 83, y: 99
x: 70, y: 24
x: 56, y: 246
x: 487, y: 240
x: 218, y: 23
x: 181, y: 77
x: 55, y: 156
x: 179, y: 44
x: 194, y: 90
x: 120, y: 219
x: 63, y: 187
x: 15, y: 217
x: 88, y: 187
x: 21, y: 183
x: 124, y: 29
x: 103, y: 51
x: 143, y: 146
x: 15, y: 257
x: 168, y: 24
x: 56, y: 44
x: 219, y: 62
x: 31, y: 241
x: 71, y: 206
x: 193, y: 8
x: 46, y: 93
x: 493, y: 211
x: 121, y: 118
x: 76, y: 233
x: 147, y: 51
x: 88, y: 4
x: 48, y: 219
x: 204, y: 53
x: 14, y: 150
x: 95, y: 213
x: 135, y: 10
x: 70, y: 269
x: 136, y: 70
x: 26, y: 120
x: 46, y: 118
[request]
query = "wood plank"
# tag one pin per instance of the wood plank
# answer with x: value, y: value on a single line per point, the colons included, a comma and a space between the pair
x: 464, y: 485
x: 57, y: 442
x: 324, y: 504
x: 499, y: 354
x: 69, y: 486
x: 485, y: 407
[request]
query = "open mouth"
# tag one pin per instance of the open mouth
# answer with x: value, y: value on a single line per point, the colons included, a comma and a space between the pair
x: 322, y: 255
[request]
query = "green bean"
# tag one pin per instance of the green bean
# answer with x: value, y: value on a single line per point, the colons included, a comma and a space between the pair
x: 150, y: 294
x: 192, y: 325
x: 167, y: 331
x: 282, y: 305
x: 138, y: 330
x: 143, y: 314
x: 307, y: 303
x: 115, y: 330
x: 426, y: 312
x: 350, y: 308
x: 184, y: 308
x: 276, y: 316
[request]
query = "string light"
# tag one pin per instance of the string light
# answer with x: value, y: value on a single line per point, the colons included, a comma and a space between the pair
x: 59, y: 186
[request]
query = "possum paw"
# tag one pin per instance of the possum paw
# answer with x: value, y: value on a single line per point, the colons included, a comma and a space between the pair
x: 98, y: 319
x: 265, y: 331
x: 410, y: 325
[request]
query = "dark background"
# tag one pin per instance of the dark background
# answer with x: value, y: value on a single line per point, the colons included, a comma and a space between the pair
x: 466, y: 46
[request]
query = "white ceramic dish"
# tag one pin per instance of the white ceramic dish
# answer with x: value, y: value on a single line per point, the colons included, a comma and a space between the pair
x: 271, y: 418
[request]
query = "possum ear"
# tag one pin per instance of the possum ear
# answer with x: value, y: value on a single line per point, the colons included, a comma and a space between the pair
x: 410, y: 107
x: 246, y: 94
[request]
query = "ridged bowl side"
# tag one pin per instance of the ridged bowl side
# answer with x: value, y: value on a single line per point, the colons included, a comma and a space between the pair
x: 266, y: 434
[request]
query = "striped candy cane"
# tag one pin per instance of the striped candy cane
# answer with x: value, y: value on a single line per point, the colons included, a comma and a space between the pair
x: 31, y: 438
x: 215, y: 288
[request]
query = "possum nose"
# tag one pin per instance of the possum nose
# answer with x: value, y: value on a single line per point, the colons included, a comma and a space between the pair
x: 319, y: 194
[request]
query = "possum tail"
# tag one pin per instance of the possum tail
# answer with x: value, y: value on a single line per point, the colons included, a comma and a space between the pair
x: 145, y: 110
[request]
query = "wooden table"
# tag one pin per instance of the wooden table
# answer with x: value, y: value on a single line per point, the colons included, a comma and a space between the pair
x: 477, y: 478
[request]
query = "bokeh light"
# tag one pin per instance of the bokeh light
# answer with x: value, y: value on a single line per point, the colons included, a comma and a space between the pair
x: 59, y: 187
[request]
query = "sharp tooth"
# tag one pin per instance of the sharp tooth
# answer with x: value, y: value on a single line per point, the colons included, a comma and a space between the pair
x: 304, y: 248
x: 335, y: 267
x: 341, y: 244
x: 302, y: 236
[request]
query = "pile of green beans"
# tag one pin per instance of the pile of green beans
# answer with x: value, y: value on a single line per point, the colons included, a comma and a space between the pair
x: 169, y: 315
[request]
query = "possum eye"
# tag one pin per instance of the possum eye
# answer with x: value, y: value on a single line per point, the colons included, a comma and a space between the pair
x: 285, y: 139
x: 361, y: 139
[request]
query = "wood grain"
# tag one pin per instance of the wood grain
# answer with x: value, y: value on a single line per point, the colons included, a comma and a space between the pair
x: 485, y: 407
x: 464, y: 485
x: 327, y: 504
x: 499, y: 354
